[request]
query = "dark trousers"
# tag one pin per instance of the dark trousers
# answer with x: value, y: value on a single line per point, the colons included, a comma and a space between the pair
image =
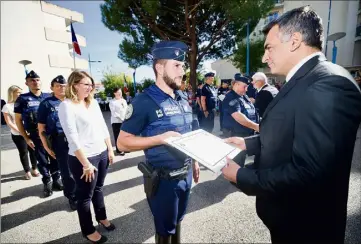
x: 24, y: 150
x: 90, y: 191
x: 116, y: 130
x: 61, y: 149
x: 208, y: 122
x: 48, y: 167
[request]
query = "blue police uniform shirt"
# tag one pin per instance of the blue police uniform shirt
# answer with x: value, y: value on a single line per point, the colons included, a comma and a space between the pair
x: 153, y: 113
x: 211, y: 96
x: 236, y: 103
x: 48, y: 115
x: 27, y: 105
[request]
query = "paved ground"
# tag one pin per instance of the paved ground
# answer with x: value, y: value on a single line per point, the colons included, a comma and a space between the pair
x: 218, y: 212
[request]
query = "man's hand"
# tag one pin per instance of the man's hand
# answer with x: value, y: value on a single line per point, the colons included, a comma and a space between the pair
x: 257, y: 128
x: 166, y: 135
x: 196, y: 171
x: 236, y: 141
x: 230, y: 170
x: 206, y: 113
x: 30, y: 143
x: 50, y: 152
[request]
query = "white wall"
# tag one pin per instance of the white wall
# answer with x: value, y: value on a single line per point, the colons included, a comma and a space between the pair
x: 23, y: 37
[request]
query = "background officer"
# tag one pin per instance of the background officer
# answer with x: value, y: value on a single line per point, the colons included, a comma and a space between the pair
x: 157, y: 114
x: 50, y: 131
x: 239, y: 118
x: 208, y: 101
x: 222, y: 91
x: 198, y: 108
x: 26, y: 113
x: 265, y: 92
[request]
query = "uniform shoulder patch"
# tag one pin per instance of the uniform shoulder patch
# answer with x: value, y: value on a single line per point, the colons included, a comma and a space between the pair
x: 129, y: 111
x: 233, y: 102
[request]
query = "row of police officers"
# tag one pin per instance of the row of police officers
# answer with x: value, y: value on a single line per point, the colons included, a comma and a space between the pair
x: 36, y: 115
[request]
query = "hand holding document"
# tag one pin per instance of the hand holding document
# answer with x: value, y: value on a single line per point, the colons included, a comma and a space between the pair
x: 204, y: 147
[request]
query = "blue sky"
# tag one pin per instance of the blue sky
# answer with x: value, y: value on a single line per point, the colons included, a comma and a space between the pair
x: 102, y: 43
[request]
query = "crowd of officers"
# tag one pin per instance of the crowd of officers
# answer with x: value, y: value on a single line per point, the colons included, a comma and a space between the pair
x: 240, y: 104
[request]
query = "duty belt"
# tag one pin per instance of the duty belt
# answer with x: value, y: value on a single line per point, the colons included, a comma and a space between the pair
x: 173, y: 174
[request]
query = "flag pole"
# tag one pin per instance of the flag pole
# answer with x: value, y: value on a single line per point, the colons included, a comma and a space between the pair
x: 71, y: 22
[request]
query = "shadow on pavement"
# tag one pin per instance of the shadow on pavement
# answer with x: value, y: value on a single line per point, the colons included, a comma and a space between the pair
x: 18, y: 173
x: 125, y: 163
x: 12, y: 179
x: 138, y: 226
x: 58, y: 204
x: 353, y: 228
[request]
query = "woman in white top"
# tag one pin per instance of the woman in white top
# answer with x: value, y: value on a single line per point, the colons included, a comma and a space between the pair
x: 118, y: 107
x: 9, y: 116
x: 90, y: 151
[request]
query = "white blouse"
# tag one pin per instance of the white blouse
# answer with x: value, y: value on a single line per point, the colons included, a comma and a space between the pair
x: 84, y: 128
x: 9, y: 109
x: 118, y: 109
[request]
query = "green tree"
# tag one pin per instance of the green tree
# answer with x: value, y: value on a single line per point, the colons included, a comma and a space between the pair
x: 256, y: 51
x: 210, y: 28
x: 147, y: 83
x: 112, y: 80
x: 102, y: 95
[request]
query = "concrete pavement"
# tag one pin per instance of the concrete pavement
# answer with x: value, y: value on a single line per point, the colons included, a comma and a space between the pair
x: 217, y: 211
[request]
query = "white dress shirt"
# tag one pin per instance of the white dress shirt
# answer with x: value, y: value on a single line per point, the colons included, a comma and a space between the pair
x: 9, y: 109
x: 84, y: 127
x: 118, y: 109
x: 293, y: 71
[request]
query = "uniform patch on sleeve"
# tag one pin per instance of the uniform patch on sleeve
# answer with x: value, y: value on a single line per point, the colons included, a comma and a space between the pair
x: 233, y: 102
x: 129, y: 112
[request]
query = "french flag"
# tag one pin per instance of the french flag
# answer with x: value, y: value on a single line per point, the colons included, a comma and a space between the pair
x: 74, y: 40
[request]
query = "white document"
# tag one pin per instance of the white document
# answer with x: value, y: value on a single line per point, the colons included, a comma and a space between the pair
x: 204, y: 147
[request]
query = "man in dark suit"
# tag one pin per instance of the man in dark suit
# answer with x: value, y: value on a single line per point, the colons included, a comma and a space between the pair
x: 307, y: 136
x: 265, y: 92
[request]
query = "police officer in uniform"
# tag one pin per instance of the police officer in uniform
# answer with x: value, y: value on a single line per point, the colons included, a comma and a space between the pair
x: 208, y: 101
x: 157, y: 114
x: 240, y: 118
x: 26, y: 118
x: 198, y: 109
x: 223, y: 90
x: 53, y: 138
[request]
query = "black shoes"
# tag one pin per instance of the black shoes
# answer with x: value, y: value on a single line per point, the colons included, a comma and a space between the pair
x: 102, y: 239
x: 48, y: 189
x: 111, y: 227
x: 73, y: 204
x: 58, y: 185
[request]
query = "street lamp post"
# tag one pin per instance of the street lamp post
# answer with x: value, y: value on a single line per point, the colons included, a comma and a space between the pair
x: 92, y: 61
x: 25, y: 62
x: 247, y: 61
x: 334, y: 37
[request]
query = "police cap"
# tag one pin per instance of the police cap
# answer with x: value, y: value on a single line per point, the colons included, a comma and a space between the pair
x: 59, y: 79
x: 175, y: 50
x: 32, y: 75
x: 209, y: 74
x: 240, y: 78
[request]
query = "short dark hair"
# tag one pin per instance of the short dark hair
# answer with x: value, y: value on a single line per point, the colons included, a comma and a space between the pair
x: 303, y: 20
x: 158, y: 61
x: 115, y: 89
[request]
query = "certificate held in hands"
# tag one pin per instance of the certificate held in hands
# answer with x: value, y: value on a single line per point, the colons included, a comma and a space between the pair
x: 205, y: 148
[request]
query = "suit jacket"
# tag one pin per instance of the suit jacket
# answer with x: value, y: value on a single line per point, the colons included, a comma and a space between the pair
x: 305, y: 147
x: 264, y: 97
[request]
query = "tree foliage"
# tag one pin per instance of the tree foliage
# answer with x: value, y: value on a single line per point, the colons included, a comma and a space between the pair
x: 210, y: 28
x: 256, y: 51
x: 112, y: 80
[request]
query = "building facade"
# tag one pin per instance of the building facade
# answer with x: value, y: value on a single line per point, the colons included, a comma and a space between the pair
x: 39, y: 32
x: 345, y: 16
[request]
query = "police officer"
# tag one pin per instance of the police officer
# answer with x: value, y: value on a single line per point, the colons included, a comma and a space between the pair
x: 208, y: 101
x: 26, y: 113
x: 198, y: 109
x: 240, y: 117
x: 157, y: 114
x: 222, y: 91
x: 53, y: 138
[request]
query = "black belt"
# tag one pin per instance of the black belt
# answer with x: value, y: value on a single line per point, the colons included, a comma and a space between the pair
x: 173, y: 174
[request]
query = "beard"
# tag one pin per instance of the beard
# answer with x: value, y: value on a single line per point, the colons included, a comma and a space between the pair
x: 171, y: 82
